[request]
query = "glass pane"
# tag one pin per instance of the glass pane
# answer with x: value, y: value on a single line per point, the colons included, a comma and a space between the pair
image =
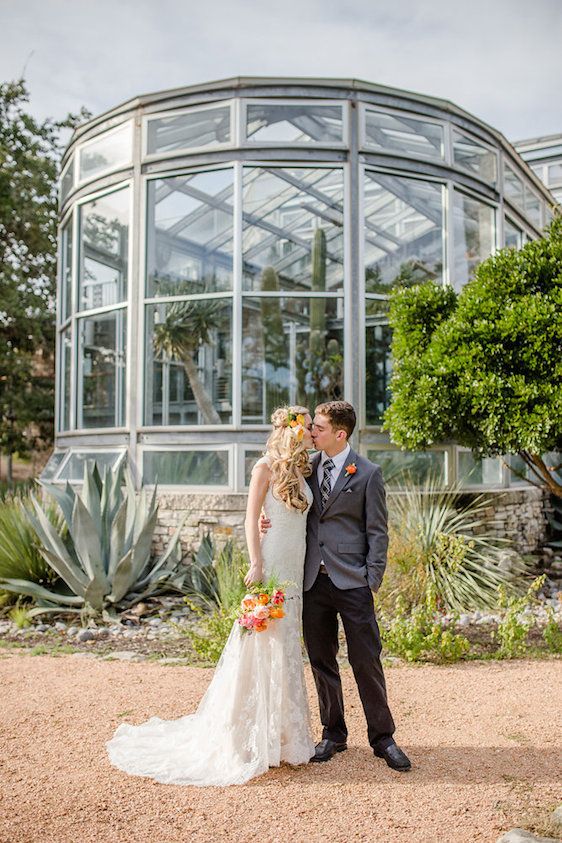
x: 518, y: 475
x: 102, y: 370
x: 548, y: 215
x: 474, y: 156
x: 293, y: 229
x: 66, y: 362
x: 378, y: 361
x: 189, y: 363
x: 403, y: 231
x: 66, y: 271
x: 403, y: 466
x: 292, y: 353
x: 403, y: 134
x: 52, y: 465
x: 67, y: 181
x: 74, y: 467
x: 555, y: 173
x: 532, y: 206
x: 512, y: 186
x: 513, y: 235
x: 104, y: 247
x: 190, y: 231
x: 193, y: 129
x: 474, y: 472
x: 108, y: 152
x: 294, y: 123
x: 473, y: 236
x: 185, y: 468
x: 250, y: 459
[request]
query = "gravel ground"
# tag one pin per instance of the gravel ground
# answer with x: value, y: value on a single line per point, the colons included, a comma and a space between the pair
x: 484, y: 739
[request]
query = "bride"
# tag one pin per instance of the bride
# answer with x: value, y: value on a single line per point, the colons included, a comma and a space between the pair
x: 254, y: 713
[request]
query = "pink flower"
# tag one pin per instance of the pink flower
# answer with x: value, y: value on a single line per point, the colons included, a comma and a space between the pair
x: 278, y: 597
x: 260, y: 613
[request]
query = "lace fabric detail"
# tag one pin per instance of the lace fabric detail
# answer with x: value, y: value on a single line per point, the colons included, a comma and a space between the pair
x: 254, y: 714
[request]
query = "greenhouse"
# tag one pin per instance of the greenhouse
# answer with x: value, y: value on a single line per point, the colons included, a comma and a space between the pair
x: 229, y: 247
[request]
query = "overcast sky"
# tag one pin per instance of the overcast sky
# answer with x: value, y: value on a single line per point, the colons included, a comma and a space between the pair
x: 499, y: 59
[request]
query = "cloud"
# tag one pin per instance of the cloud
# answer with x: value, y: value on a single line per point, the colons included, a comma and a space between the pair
x: 501, y: 61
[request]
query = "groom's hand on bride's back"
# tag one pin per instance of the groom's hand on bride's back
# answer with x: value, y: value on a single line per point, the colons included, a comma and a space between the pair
x: 264, y: 523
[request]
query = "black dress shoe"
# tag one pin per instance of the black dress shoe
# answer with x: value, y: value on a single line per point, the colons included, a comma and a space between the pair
x: 326, y: 749
x: 394, y: 757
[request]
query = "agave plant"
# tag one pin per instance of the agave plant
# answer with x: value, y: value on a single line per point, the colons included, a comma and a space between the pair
x: 105, y: 560
x: 453, y: 552
x: 20, y: 554
x: 215, y: 578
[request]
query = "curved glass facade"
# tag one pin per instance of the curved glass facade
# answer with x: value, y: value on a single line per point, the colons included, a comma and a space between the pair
x: 228, y: 248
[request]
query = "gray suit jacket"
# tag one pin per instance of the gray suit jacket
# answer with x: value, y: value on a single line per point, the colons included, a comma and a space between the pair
x: 351, y: 534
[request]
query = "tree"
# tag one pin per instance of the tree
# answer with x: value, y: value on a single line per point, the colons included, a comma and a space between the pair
x: 30, y: 154
x: 484, y: 367
x: 185, y: 327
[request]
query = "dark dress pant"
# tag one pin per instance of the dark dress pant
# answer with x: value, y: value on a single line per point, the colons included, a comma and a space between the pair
x: 322, y: 604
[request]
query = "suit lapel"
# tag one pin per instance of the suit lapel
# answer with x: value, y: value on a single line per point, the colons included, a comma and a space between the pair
x: 341, y: 482
x: 312, y: 480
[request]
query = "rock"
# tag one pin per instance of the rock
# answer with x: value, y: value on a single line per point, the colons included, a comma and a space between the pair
x: 85, y: 635
x: 155, y: 621
x: 83, y: 655
x: 556, y: 817
x: 519, y: 835
x: 72, y: 630
x: 124, y: 655
x: 60, y: 625
x: 103, y: 632
x: 42, y: 627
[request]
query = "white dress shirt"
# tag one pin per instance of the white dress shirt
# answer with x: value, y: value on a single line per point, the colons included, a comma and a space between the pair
x: 339, y: 461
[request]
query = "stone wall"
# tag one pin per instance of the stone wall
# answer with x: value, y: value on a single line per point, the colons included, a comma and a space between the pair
x: 517, y: 514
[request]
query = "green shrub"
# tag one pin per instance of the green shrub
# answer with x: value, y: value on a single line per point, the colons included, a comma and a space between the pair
x: 552, y: 633
x: 513, y: 628
x: 419, y: 636
x: 215, y: 577
x: 20, y: 555
x: 209, y: 640
x: 20, y: 616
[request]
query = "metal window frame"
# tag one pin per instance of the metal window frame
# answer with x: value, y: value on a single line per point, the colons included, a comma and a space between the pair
x: 150, y: 157
x: 246, y: 143
x: 184, y: 487
x: 444, y: 158
x: 121, y: 165
x: 478, y: 142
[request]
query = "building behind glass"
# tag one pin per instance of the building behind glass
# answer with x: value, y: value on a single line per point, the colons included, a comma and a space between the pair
x: 230, y: 247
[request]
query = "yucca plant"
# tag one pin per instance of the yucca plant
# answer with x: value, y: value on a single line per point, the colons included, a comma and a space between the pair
x: 105, y: 561
x: 20, y: 555
x: 215, y: 578
x: 449, y: 548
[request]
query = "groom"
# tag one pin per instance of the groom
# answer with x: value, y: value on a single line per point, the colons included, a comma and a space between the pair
x: 346, y: 542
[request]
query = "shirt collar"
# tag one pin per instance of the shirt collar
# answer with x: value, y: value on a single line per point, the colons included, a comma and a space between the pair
x: 339, y: 459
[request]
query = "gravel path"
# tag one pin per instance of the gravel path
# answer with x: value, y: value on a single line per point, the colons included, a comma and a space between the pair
x: 484, y: 739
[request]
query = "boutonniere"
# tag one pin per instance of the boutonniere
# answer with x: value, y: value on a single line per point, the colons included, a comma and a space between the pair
x: 350, y: 469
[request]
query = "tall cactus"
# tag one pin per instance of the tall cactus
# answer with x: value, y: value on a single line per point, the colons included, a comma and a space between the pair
x: 275, y: 351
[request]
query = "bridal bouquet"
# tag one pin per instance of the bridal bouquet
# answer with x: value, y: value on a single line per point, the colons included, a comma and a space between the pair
x: 260, y: 606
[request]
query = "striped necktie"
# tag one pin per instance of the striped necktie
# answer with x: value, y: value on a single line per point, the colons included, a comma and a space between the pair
x: 326, y: 486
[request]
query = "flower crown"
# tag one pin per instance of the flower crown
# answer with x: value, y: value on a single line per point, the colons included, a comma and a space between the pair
x: 296, y: 422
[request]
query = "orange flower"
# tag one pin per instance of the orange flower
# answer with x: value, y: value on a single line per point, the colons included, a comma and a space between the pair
x: 350, y: 469
x: 259, y: 627
x: 263, y: 599
x: 276, y: 612
x: 293, y: 423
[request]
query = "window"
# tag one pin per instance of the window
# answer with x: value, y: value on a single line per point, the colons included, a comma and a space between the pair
x: 109, y: 151
x: 67, y: 180
x: 188, y: 130
x: 474, y: 472
x: 474, y: 156
x: 294, y: 123
x: 185, y: 468
x: 104, y: 250
x: 400, y: 467
x: 403, y: 134
x: 73, y: 468
x: 65, y: 374
x: 66, y: 271
x: 101, y: 370
x: 474, y: 236
x: 513, y: 235
x: 190, y: 234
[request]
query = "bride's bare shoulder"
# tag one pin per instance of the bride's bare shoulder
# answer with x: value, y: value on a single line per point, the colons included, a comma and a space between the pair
x: 262, y: 466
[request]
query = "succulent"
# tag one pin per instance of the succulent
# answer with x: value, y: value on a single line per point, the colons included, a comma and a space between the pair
x: 105, y: 560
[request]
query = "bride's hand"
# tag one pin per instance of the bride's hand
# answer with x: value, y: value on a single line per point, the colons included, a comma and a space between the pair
x: 254, y: 574
x: 264, y: 524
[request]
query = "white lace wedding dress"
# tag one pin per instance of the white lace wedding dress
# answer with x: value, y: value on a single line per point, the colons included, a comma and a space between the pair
x: 254, y: 713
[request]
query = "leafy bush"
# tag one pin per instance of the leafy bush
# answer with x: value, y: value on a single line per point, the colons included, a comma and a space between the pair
x: 437, y: 540
x: 419, y: 635
x: 552, y: 633
x: 514, y: 626
x: 104, y: 560
x: 208, y: 642
x: 215, y: 577
x: 20, y: 615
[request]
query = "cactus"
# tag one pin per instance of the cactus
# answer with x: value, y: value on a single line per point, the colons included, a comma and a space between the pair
x: 275, y: 350
x: 105, y: 561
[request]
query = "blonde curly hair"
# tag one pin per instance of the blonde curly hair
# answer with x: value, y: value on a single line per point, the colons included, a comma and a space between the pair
x: 288, y: 459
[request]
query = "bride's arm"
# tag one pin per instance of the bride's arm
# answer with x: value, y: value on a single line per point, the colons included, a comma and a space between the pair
x: 256, y: 496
